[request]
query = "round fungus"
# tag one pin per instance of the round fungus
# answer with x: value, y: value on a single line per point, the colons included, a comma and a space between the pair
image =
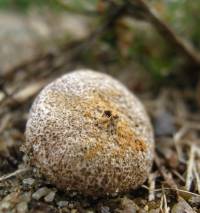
x: 88, y: 134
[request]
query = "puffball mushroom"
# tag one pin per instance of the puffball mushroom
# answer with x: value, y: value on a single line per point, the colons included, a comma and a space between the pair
x: 87, y: 133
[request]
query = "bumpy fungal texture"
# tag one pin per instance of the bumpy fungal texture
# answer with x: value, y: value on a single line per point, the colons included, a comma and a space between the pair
x: 87, y: 133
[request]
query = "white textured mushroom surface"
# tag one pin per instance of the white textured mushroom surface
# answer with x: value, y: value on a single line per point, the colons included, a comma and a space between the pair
x: 87, y: 133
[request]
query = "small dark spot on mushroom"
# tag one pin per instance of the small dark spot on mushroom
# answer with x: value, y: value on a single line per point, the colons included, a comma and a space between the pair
x: 107, y: 113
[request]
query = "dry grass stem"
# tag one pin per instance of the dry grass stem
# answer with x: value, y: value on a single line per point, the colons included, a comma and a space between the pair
x: 15, y: 173
x: 151, y: 181
x: 190, y: 166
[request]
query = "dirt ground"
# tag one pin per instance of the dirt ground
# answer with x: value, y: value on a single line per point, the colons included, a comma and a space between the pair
x: 172, y: 186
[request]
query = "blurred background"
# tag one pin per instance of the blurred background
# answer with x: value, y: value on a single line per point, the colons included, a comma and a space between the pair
x: 32, y: 28
x: 152, y: 46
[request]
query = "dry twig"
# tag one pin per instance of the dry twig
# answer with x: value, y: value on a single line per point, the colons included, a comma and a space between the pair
x: 151, y: 181
x: 190, y: 166
x: 17, y: 172
x: 176, y: 138
x: 196, y: 174
x: 173, y: 189
x: 163, y: 203
x: 164, y: 30
x: 166, y: 174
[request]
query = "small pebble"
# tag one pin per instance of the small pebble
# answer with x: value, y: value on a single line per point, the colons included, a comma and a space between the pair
x: 194, y: 200
x: 9, y: 202
x: 50, y: 197
x: 29, y: 181
x: 63, y: 203
x: 146, y: 208
x: 22, y: 207
x: 71, y: 205
x: 40, y: 193
x: 5, y: 206
x: 128, y: 205
x: 26, y: 196
x: 182, y: 206
x: 105, y: 209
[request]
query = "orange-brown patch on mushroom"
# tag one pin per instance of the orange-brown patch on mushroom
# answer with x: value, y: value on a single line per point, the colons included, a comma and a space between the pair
x: 92, y: 152
x: 109, y: 118
x: 126, y: 138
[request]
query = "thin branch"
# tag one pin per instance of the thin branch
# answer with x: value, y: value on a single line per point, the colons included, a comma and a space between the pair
x: 151, y: 181
x: 163, y: 203
x: 180, y: 133
x: 164, y: 30
x: 173, y: 189
x: 190, y: 166
x: 71, y: 9
x: 166, y: 208
x: 177, y: 174
x: 166, y: 174
x: 196, y: 174
x: 17, y: 172
x: 176, y: 138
